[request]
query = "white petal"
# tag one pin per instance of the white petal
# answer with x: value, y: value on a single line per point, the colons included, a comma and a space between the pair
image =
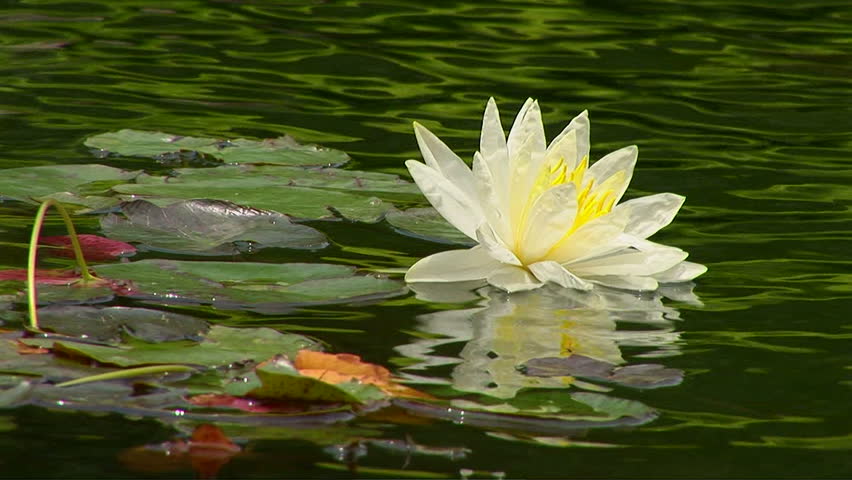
x: 492, y: 142
x: 649, y: 214
x: 565, y: 148
x: 549, y: 271
x: 528, y: 124
x: 493, y: 200
x: 551, y: 218
x: 643, y: 284
x: 513, y: 279
x: 682, y: 272
x: 630, y: 263
x: 441, y: 158
x: 623, y: 159
x: 454, y: 205
x: 580, y: 125
x: 453, y: 266
x: 601, y: 235
x: 494, y: 246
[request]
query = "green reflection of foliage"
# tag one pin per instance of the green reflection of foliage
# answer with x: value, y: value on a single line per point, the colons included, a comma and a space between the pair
x: 810, y: 443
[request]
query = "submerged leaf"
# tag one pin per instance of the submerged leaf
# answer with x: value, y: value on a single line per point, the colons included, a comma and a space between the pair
x: 281, y: 150
x: 207, y: 227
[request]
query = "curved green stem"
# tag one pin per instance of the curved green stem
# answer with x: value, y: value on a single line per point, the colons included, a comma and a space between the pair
x: 127, y: 373
x: 33, y: 253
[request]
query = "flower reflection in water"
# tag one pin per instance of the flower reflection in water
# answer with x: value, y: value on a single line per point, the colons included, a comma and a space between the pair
x: 504, y: 332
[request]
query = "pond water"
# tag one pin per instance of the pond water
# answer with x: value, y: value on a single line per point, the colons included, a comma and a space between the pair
x: 743, y: 107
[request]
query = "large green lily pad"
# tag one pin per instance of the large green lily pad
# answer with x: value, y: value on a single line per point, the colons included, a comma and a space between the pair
x: 298, y: 192
x: 207, y: 227
x: 109, y: 324
x: 247, y: 285
x: 85, y: 185
x: 221, y: 346
x: 282, y: 150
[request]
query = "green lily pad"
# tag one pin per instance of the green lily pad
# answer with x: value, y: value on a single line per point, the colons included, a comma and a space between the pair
x: 247, y: 285
x: 47, y: 366
x: 282, y: 150
x: 426, y: 223
x: 207, y: 227
x: 85, y: 185
x: 298, y: 192
x: 278, y: 379
x: 110, y: 323
x: 221, y: 346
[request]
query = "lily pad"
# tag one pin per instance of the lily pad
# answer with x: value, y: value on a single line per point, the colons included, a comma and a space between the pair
x: 282, y: 150
x: 221, y: 346
x: 85, y: 185
x: 207, y: 227
x: 279, y: 379
x: 110, y: 323
x: 298, y: 192
x: 427, y: 224
x: 247, y: 285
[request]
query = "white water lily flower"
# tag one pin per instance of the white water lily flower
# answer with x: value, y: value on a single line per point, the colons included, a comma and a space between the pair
x: 540, y: 213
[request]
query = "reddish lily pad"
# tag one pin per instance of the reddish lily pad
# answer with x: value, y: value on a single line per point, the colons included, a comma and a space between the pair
x: 95, y: 248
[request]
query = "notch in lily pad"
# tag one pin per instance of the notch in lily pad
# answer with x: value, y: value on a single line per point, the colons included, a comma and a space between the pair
x: 283, y: 150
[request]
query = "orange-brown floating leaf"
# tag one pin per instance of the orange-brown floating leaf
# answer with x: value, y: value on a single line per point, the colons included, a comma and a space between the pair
x: 25, y: 349
x: 345, y: 367
x: 95, y: 247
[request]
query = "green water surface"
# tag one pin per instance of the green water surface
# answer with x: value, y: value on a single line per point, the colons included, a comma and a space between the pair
x: 741, y: 106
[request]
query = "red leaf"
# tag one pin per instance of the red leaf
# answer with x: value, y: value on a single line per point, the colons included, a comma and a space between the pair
x: 214, y: 400
x: 49, y: 277
x: 95, y: 248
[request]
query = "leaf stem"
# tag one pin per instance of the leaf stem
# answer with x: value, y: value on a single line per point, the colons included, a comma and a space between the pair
x: 127, y: 373
x: 33, y: 254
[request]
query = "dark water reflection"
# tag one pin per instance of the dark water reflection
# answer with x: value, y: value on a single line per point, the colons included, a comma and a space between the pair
x: 742, y: 106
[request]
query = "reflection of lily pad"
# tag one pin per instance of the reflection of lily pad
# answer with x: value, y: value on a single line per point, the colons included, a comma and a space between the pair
x: 637, y: 376
x: 209, y: 227
x: 108, y: 324
x: 298, y: 192
x: 246, y: 284
x: 426, y: 223
x: 540, y: 412
x: 86, y: 185
x: 221, y: 346
x: 282, y: 150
